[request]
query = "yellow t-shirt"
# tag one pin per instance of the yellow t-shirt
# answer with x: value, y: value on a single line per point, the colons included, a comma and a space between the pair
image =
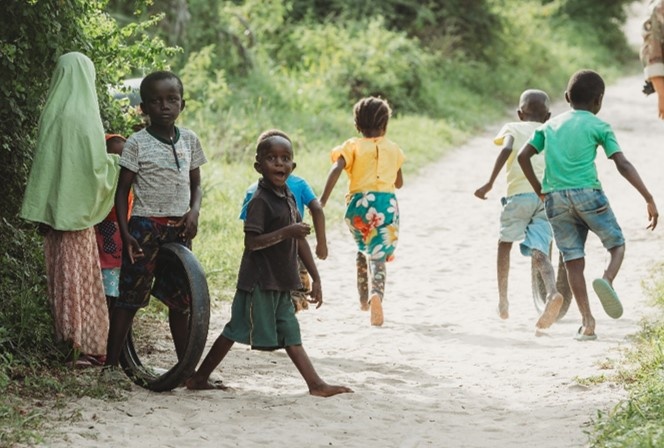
x: 371, y: 163
x: 516, y: 180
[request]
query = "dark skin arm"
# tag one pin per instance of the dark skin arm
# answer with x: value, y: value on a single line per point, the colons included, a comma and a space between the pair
x: 398, y: 183
x: 318, y: 217
x: 190, y: 219
x: 304, y: 252
x: 526, y: 153
x: 332, y: 178
x: 121, y: 209
x: 627, y: 170
x: 254, y: 241
x: 658, y: 84
x: 498, y: 165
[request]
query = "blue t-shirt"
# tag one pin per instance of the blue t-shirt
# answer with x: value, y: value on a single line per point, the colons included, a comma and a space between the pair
x: 570, y: 142
x: 302, y: 191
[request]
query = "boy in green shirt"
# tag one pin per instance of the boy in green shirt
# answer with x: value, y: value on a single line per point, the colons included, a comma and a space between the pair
x: 572, y: 193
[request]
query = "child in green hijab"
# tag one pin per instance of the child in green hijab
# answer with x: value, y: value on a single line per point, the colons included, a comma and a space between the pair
x: 69, y: 190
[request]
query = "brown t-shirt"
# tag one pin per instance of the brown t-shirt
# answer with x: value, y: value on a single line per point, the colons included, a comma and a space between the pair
x: 273, y: 268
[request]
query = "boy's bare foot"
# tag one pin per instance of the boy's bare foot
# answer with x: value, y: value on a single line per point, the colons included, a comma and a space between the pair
x: 194, y: 384
x: 551, y: 311
x: 376, y: 305
x: 364, y: 305
x: 327, y: 390
x: 504, y: 309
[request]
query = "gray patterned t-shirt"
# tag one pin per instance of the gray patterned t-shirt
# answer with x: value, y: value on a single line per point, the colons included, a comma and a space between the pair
x: 160, y: 189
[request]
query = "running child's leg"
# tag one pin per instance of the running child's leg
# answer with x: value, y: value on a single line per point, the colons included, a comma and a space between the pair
x: 577, y: 283
x: 503, y: 270
x: 201, y: 378
x: 554, y: 300
x: 315, y: 383
x: 617, y: 257
x: 362, y: 280
x: 378, y: 277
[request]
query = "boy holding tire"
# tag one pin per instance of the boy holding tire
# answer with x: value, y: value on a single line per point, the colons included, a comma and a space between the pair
x: 162, y: 164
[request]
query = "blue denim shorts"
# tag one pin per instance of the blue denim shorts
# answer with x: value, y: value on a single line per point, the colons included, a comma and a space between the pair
x: 524, y: 219
x: 572, y: 213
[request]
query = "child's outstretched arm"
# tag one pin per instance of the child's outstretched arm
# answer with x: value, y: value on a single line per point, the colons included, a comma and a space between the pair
x: 628, y: 171
x: 525, y: 154
x: 121, y: 210
x: 190, y: 219
x: 658, y: 84
x: 304, y: 252
x: 332, y: 179
x: 399, y: 182
x: 497, y: 166
x: 318, y: 217
x: 257, y: 241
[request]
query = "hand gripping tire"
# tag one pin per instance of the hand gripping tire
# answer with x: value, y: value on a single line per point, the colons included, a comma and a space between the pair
x: 539, y: 290
x: 160, y: 379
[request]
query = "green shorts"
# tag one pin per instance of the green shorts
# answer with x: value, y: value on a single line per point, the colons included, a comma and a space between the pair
x: 265, y: 320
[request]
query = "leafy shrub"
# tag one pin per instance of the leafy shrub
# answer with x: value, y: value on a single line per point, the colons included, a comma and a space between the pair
x: 359, y: 59
x: 33, y: 34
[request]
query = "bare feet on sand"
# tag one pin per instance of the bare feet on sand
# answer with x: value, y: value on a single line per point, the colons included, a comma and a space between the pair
x: 376, y: 305
x: 551, y: 311
x: 364, y: 305
x: 195, y: 384
x: 504, y: 309
x: 327, y: 390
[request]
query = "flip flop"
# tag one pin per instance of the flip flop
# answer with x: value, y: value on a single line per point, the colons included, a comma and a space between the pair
x: 580, y: 336
x: 608, y: 298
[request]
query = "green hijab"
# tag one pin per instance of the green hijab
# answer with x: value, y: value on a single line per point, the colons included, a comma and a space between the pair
x: 72, y: 180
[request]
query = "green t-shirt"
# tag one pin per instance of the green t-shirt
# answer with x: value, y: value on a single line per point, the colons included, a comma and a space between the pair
x: 569, y: 142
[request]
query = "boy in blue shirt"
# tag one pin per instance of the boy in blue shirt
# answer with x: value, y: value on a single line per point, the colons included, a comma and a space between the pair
x: 572, y: 193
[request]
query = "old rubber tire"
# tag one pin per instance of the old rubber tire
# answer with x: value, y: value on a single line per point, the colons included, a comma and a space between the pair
x: 199, y: 319
x: 539, y: 291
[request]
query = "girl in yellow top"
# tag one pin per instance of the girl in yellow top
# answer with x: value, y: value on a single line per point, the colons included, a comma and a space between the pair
x: 373, y: 164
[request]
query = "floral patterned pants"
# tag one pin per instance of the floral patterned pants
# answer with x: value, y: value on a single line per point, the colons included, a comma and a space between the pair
x: 373, y: 220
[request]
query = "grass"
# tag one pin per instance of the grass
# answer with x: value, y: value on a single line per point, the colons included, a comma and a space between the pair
x: 639, y: 420
x: 38, y: 396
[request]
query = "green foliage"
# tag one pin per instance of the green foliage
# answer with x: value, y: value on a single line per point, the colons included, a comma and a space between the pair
x: 26, y: 326
x: 358, y: 59
x: 639, y: 420
x: 472, y: 21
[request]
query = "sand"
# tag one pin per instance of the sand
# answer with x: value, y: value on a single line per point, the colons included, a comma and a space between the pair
x: 443, y: 370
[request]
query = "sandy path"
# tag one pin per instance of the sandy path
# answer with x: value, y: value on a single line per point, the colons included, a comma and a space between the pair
x: 443, y: 370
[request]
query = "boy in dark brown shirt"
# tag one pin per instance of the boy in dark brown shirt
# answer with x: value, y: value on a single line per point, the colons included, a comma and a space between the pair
x: 262, y: 312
